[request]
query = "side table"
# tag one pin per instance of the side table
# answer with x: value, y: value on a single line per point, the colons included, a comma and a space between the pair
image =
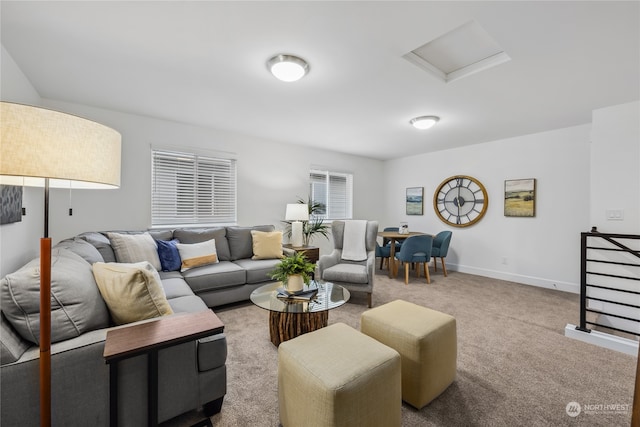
x: 148, y: 338
x: 311, y: 252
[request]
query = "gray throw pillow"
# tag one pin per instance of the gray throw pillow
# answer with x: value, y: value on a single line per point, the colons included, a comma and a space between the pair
x: 76, y: 303
x: 83, y: 248
x: 241, y: 242
x: 101, y: 242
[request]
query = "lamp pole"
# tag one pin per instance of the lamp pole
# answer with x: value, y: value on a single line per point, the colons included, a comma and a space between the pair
x: 45, y: 316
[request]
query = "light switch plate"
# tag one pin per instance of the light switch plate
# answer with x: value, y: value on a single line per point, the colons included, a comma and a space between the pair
x: 615, y: 214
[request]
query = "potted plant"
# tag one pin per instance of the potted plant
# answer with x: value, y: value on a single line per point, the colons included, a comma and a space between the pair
x: 293, y: 271
x: 314, y: 226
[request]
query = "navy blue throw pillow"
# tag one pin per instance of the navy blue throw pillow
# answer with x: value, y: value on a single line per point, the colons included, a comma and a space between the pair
x: 169, y: 255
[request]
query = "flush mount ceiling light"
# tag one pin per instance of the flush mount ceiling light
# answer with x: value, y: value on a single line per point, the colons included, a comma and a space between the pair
x: 424, y: 122
x: 288, y: 68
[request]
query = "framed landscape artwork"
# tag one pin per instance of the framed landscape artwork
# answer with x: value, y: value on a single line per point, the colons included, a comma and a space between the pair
x: 414, y: 200
x: 11, y: 203
x: 520, y: 197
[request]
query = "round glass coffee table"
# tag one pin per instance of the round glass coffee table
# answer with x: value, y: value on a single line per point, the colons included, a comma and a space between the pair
x: 289, y: 318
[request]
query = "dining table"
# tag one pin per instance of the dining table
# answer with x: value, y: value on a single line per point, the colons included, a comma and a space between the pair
x: 394, y: 236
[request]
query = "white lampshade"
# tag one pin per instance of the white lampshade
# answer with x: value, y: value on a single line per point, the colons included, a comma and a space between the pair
x: 38, y: 143
x: 297, y: 212
x: 40, y: 147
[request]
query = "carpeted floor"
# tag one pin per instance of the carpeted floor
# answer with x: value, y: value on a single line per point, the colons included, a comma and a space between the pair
x: 515, y: 367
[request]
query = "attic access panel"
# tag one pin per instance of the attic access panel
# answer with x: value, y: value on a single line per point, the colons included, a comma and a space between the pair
x: 463, y: 51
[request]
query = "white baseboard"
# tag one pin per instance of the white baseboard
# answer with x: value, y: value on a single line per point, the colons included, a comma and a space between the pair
x: 518, y: 278
x: 612, y: 342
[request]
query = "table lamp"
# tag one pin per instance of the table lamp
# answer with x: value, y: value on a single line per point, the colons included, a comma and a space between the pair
x: 46, y: 148
x: 297, y: 212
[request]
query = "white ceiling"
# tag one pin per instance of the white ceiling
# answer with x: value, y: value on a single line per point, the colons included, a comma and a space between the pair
x: 204, y: 63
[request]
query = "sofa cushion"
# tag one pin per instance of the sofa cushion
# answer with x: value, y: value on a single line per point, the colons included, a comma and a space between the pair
x: 132, y: 248
x: 215, y: 276
x: 101, y: 242
x: 175, y: 287
x: 240, y: 242
x: 132, y: 291
x: 266, y: 244
x: 161, y: 234
x: 83, y: 248
x: 197, y: 235
x: 12, y: 346
x: 169, y: 256
x: 197, y: 254
x: 350, y: 273
x: 212, y: 352
x: 258, y: 270
x: 76, y: 305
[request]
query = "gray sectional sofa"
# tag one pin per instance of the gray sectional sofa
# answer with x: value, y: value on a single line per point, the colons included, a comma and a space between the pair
x: 191, y: 375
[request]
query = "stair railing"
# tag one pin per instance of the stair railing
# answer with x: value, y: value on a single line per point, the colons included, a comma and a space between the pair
x: 609, y: 278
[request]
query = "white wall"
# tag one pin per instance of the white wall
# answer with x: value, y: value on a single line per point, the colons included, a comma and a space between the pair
x: 543, y: 250
x: 615, y: 175
x: 270, y: 175
x: 615, y: 186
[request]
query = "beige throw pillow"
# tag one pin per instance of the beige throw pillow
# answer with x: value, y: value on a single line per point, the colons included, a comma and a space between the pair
x: 132, y: 291
x: 131, y: 248
x: 197, y: 254
x: 267, y: 244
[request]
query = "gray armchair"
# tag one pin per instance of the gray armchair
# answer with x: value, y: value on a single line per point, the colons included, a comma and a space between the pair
x: 355, y: 276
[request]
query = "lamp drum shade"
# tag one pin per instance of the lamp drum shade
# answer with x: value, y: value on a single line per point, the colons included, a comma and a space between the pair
x: 42, y: 143
x: 297, y: 212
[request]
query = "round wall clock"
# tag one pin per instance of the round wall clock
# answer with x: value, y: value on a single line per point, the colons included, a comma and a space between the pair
x: 460, y: 201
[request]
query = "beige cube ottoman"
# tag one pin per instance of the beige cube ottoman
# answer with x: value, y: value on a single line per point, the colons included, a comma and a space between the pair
x: 337, y: 376
x: 427, y: 343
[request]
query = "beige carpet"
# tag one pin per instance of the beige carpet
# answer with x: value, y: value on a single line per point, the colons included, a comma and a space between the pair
x: 515, y: 367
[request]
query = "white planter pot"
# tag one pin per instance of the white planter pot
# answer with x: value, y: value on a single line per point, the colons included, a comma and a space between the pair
x: 295, y: 283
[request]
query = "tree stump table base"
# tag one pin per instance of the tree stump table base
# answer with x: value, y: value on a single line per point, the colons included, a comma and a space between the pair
x: 284, y: 326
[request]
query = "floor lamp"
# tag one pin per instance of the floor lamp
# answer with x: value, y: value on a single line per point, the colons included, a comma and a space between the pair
x: 46, y: 148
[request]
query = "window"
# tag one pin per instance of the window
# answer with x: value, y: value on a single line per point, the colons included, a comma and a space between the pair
x: 192, y: 189
x: 335, y: 191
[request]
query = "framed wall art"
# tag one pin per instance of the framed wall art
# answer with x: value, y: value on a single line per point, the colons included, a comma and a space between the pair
x: 520, y: 197
x: 414, y: 200
x: 10, y: 203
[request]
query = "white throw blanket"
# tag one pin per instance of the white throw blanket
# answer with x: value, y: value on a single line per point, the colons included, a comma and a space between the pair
x: 353, y: 243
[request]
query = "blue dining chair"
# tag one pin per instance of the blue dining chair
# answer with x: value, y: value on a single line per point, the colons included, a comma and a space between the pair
x: 440, y: 249
x: 416, y: 249
x: 384, y: 252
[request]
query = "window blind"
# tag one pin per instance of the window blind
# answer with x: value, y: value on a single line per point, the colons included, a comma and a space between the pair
x: 192, y: 189
x: 335, y: 191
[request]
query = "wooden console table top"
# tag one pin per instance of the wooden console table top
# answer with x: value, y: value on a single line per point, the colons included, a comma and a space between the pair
x: 168, y: 331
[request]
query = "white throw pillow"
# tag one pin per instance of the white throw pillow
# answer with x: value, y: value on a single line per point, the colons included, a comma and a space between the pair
x: 197, y: 254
